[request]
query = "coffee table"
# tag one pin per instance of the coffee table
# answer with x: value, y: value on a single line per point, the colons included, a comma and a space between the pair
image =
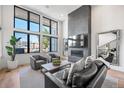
x: 51, y: 68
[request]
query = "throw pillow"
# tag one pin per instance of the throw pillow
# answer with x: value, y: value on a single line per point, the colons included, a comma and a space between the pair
x: 75, y: 67
x: 89, y: 60
x: 65, y: 74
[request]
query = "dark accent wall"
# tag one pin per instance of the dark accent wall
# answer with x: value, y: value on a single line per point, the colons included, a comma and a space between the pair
x: 79, y: 22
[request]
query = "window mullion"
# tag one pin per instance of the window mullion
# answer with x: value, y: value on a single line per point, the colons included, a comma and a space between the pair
x: 28, y: 20
x: 28, y: 43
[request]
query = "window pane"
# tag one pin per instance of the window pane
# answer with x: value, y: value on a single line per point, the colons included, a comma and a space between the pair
x: 53, y: 24
x: 54, y: 28
x: 21, y: 13
x: 34, y: 22
x: 34, y: 43
x: 46, y: 21
x: 21, y: 46
x: 20, y: 23
x: 46, y: 30
x: 46, y: 43
x: 34, y: 18
x: 34, y: 27
x: 54, y: 31
x: 54, y: 42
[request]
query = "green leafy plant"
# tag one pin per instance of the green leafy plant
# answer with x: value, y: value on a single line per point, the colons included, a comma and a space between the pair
x: 46, y: 39
x: 11, y: 49
x: 46, y: 42
x: 56, y: 61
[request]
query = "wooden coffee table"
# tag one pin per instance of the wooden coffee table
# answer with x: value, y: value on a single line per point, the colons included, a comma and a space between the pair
x: 51, y: 68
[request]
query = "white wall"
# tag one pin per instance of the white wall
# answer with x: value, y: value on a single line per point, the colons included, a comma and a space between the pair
x: 0, y: 38
x: 60, y: 35
x: 106, y: 18
x: 65, y: 28
x: 7, y: 32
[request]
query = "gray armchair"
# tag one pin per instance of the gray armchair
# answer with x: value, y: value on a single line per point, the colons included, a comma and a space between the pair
x: 54, y: 56
x: 36, y: 61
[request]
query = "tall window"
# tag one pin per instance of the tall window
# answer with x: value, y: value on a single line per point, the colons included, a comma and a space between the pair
x: 25, y: 20
x: 54, y: 44
x: 50, y: 32
x: 34, y: 43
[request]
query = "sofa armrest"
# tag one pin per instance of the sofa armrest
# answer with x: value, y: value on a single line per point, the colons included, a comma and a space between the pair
x: 52, y: 82
x: 98, y: 79
x: 32, y: 58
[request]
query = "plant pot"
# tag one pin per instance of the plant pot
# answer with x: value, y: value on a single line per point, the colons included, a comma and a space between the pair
x: 12, y: 64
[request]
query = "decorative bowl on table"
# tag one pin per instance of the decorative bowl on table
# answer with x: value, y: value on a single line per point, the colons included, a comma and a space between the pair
x: 56, y: 61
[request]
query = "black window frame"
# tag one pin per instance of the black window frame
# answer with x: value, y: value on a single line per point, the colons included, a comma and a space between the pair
x: 51, y: 44
x: 50, y: 40
x: 51, y: 34
x: 51, y: 25
x: 28, y: 18
x: 28, y: 41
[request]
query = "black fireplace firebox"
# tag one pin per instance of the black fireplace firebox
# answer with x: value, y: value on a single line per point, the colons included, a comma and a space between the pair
x: 78, y: 53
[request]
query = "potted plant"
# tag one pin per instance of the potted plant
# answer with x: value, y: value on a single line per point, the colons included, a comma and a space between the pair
x: 56, y: 61
x: 12, y: 64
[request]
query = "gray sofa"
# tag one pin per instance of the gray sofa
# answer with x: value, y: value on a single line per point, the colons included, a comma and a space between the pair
x: 37, y: 60
x: 54, y: 80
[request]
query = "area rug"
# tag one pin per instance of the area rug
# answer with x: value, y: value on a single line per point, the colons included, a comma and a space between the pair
x: 30, y: 78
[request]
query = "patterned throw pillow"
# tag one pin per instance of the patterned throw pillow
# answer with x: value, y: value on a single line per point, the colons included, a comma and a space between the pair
x: 65, y: 74
x: 75, y: 67
x: 89, y: 60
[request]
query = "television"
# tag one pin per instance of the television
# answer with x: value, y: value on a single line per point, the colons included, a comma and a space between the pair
x: 77, y: 41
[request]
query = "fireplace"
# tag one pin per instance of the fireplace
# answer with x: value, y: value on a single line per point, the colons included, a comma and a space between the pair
x: 78, y: 53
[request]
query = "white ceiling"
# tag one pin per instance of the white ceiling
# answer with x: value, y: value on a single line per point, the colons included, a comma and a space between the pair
x: 59, y: 12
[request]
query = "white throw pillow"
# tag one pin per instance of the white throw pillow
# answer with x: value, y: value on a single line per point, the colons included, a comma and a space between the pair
x: 78, y: 66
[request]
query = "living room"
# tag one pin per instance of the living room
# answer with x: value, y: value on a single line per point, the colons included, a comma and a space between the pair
x: 47, y: 40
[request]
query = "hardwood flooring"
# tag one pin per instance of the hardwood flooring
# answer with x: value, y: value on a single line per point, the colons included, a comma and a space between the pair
x: 11, y: 79
x: 119, y: 76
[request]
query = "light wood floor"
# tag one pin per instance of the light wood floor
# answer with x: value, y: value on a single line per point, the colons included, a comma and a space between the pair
x: 11, y: 79
x: 119, y: 76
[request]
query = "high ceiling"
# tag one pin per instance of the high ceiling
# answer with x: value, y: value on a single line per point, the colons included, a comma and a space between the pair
x: 59, y: 12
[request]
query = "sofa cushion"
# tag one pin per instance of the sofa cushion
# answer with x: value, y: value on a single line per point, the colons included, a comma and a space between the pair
x: 78, y: 66
x: 37, y: 57
x: 40, y: 61
x: 82, y: 78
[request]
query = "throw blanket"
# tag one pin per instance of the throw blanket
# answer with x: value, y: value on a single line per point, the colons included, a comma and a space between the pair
x: 91, y: 59
x: 105, y: 62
